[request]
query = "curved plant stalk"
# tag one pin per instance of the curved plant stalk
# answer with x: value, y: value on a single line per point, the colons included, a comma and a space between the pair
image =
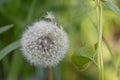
x: 100, y: 28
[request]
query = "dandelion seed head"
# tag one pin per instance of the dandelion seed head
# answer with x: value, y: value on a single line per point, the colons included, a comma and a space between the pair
x: 44, y: 43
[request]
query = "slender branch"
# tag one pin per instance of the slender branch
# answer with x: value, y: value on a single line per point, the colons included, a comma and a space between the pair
x: 50, y: 74
x: 100, y: 28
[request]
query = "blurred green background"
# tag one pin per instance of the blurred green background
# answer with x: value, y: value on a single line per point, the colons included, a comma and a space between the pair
x: 78, y: 18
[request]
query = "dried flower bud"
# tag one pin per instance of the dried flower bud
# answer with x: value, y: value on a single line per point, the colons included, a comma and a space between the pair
x: 44, y: 43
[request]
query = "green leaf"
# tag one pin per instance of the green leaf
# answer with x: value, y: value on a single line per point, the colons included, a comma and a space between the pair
x: 5, y: 28
x: 83, y: 56
x: 80, y: 61
x: 112, y: 6
x: 9, y: 48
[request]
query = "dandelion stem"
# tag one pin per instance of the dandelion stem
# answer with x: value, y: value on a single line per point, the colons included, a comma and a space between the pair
x: 100, y: 28
x: 50, y: 74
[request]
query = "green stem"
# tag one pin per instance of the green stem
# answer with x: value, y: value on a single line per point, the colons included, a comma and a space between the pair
x: 100, y: 28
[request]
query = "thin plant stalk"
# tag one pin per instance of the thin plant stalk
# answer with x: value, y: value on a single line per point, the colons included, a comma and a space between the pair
x: 50, y: 74
x: 100, y: 28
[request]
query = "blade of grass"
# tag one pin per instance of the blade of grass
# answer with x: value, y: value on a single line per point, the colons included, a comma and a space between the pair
x: 57, y: 73
x: 41, y: 73
x: 14, y: 73
x: 5, y: 28
x: 112, y: 6
x: 31, y: 11
x: 16, y: 66
x: 5, y: 63
x: 9, y: 48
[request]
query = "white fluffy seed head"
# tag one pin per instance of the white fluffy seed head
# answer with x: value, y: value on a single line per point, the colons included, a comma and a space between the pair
x: 44, y: 43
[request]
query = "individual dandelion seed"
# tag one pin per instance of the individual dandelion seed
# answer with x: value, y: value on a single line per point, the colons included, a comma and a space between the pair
x: 44, y: 43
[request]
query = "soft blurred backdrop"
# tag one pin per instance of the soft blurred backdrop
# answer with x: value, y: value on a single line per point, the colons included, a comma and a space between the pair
x: 78, y: 18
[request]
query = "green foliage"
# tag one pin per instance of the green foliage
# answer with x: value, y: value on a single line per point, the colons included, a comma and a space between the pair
x: 80, y: 61
x: 112, y: 6
x: 15, y: 69
x: 5, y: 28
x: 9, y: 48
x: 84, y: 56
